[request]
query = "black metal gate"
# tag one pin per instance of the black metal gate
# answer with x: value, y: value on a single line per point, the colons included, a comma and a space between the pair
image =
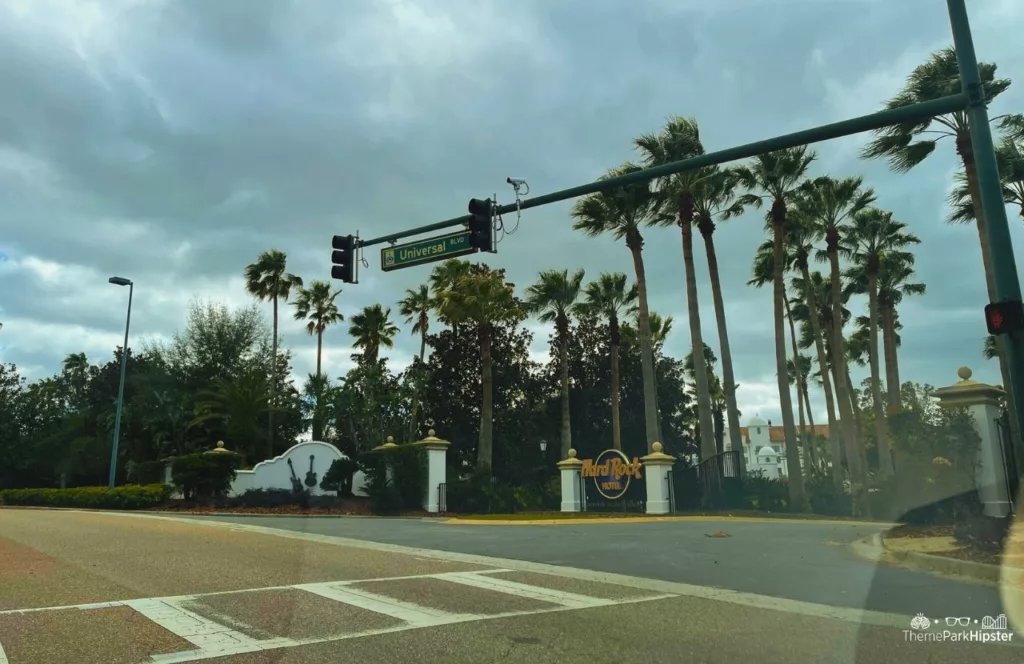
x: 1009, y: 454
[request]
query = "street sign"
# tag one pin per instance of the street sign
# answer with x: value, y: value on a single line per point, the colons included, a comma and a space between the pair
x: 425, y: 251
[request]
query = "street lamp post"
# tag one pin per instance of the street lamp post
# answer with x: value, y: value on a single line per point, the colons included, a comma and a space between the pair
x: 120, y: 281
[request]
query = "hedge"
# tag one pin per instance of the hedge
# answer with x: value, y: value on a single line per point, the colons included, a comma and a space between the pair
x: 127, y: 497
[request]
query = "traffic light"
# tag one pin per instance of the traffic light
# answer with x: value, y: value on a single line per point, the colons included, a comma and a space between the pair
x: 481, y: 224
x: 344, y: 258
x: 1004, y: 317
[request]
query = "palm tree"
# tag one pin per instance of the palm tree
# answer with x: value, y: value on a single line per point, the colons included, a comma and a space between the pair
x: 989, y: 350
x: 552, y: 298
x: 764, y: 273
x: 680, y: 139
x: 905, y: 146
x: 715, y: 196
x: 268, y: 279
x: 416, y: 307
x: 872, y: 239
x: 798, y: 369
x: 372, y: 329
x: 318, y: 396
x: 608, y: 297
x: 893, y: 285
x: 76, y: 370
x: 775, y: 176
x: 483, y: 298
x: 237, y: 403
x: 829, y: 204
x: 716, y: 391
x: 316, y: 305
x: 801, y: 238
x: 621, y: 213
x: 442, y: 279
x: 1010, y: 158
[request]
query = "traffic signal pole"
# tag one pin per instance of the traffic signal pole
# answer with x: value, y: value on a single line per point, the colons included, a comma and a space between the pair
x: 914, y: 113
x: 993, y: 207
x: 970, y: 100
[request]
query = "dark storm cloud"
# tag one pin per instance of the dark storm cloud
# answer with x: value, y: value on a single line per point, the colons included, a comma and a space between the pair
x: 179, y: 141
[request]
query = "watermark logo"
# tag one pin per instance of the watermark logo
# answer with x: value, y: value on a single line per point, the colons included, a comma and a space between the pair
x: 993, y: 629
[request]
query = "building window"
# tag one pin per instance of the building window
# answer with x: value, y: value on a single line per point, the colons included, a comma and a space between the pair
x: 776, y: 448
x: 758, y: 431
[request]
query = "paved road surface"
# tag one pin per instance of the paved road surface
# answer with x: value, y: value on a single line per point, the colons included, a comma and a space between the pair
x: 802, y: 560
x: 84, y: 587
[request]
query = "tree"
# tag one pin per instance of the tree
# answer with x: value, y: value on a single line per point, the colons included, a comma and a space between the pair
x: 609, y: 298
x: 680, y: 139
x: 907, y: 145
x: 775, y: 176
x: 416, y: 307
x: 316, y: 306
x: 621, y: 213
x: 716, y: 392
x: 895, y: 273
x: 829, y: 204
x: 875, y: 237
x: 268, y: 279
x: 801, y: 237
x: 372, y: 329
x: 237, y: 403
x: 551, y: 299
x: 482, y: 298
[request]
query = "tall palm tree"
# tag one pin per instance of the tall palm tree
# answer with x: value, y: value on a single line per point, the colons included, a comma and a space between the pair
x: 872, y: 239
x: 764, y: 273
x: 316, y: 305
x: 609, y: 298
x: 715, y: 196
x: 907, y: 145
x: 416, y: 307
x: 268, y: 279
x: 372, y: 329
x: 801, y: 237
x: 237, y: 403
x: 552, y: 299
x: 717, y: 393
x: 621, y: 213
x: 775, y: 176
x: 442, y: 279
x: 893, y: 285
x: 76, y: 371
x: 483, y: 298
x: 1010, y: 158
x: 680, y: 139
x: 829, y: 204
x: 989, y: 351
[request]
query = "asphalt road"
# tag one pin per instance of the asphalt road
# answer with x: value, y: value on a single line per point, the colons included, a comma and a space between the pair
x: 87, y: 587
x: 802, y: 560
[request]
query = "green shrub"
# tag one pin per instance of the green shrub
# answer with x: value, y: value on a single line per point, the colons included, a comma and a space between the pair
x: 824, y: 497
x: 205, y: 475
x: 481, y: 493
x: 764, y: 493
x: 127, y: 497
x: 146, y: 472
x: 405, y: 487
x: 338, y: 477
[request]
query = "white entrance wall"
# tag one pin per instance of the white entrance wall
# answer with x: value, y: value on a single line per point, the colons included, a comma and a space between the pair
x: 275, y: 473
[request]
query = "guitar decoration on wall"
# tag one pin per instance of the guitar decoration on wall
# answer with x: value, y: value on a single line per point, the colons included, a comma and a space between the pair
x: 311, y: 476
x: 296, y: 483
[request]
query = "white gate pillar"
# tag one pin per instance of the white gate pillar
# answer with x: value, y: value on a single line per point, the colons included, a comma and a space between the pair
x: 437, y: 470
x: 657, y: 466
x: 570, y: 470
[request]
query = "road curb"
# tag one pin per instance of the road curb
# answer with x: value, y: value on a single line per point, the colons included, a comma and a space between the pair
x: 457, y: 521
x: 873, y: 548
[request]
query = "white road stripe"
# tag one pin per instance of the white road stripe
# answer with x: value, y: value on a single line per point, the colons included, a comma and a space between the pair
x: 3, y: 655
x: 211, y: 637
x: 570, y: 600
x: 414, y: 614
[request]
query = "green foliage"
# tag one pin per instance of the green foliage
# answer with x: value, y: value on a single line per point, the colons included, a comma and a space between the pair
x: 272, y: 498
x: 765, y: 494
x: 396, y: 477
x: 146, y: 472
x: 127, y: 497
x: 338, y: 477
x: 206, y: 474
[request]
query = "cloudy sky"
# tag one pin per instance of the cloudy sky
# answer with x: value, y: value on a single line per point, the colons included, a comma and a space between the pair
x: 170, y: 141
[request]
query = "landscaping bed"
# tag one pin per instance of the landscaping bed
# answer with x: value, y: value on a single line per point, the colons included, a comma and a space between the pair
x: 936, y: 540
x: 317, y: 505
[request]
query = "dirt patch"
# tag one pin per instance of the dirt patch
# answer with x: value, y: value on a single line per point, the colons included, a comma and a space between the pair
x: 919, y: 531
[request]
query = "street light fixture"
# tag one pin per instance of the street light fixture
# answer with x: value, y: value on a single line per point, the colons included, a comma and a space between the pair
x: 543, y: 446
x: 120, y: 281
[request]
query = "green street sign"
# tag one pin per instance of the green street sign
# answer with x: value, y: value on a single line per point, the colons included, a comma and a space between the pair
x: 425, y: 251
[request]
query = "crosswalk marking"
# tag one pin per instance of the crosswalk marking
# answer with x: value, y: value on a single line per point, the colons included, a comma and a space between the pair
x: 213, y: 639
x: 566, y: 599
x: 413, y: 614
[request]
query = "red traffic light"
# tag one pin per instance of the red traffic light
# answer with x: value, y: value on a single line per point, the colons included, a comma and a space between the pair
x: 1004, y: 317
